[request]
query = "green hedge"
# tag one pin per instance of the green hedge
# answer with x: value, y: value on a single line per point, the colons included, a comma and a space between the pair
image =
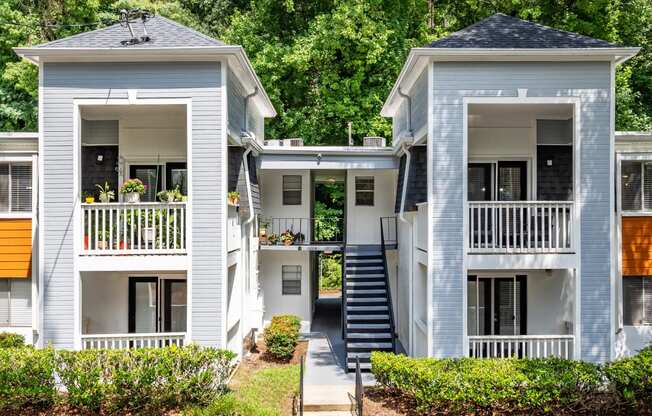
x: 11, y: 340
x: 113, y: 381
x: 281, y: 336
x: 540, y: 386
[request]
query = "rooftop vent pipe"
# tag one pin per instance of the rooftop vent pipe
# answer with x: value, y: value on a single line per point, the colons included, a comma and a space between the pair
x: 126, y: 17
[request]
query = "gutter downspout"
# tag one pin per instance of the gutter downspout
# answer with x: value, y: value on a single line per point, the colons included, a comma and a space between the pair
x: 247, y: 137
x: 408, y: 155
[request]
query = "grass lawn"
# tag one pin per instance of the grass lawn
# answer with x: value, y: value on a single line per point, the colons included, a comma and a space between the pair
x: 260, y: 387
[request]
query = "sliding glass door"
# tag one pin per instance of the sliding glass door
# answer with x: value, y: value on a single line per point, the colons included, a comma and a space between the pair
x: 157, y: 305
x: 497, y: 306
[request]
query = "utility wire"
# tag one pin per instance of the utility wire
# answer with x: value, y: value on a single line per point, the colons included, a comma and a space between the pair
x: 57, y: 25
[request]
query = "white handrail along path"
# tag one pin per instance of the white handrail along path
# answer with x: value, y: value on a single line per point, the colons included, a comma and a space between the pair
x: 520, y: 227
x: 134, y: 228
x: 521, y: 346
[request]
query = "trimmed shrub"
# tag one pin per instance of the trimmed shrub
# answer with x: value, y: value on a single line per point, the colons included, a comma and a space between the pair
x: 26, y: 378
x: 139, y: 380
x: 11, y: 340
x: 470, y: 385
x: 631, y: 379
x: 281, y: 336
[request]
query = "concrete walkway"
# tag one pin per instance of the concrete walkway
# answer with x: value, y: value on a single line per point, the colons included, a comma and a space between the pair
x: 327, y: 387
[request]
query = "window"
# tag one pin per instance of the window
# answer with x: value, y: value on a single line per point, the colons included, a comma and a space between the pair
x: 636, y: 185
x: 291, y: 280
x: 637, y: 300
x: 364, y: 190
x: 15, y: 187
x: 291, y: 190
x: 15, y: 302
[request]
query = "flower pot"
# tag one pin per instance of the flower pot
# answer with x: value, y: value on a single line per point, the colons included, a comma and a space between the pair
x: 102, y: 245
x: 148, y: 234
x: 234, y: 201
x: 288, y: 242
x: 132, y: 197
x: 89, y: 199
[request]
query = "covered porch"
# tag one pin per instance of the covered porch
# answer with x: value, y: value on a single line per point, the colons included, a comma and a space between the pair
x: 522, y: 314
x: 133, y: 309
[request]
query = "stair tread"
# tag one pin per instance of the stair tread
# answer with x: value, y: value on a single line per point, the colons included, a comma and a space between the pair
x: 363, y: 317
x: 370, y: 345
x: 367, y: 308
x: 367, y: 300
x: 365, y: 365
x: 368, y: 326
x: 364, y: 283
x: 368, y: 335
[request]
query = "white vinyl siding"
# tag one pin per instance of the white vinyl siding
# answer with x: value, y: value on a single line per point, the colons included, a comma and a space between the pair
x: 291, y: 284
x: 364, y: 191
x: 15, y: 187
x: 15, y: 302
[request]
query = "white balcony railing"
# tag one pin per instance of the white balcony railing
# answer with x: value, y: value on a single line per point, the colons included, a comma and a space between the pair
x: 123, y: 341
x: 521, y: 346
x: 520, y: 227
x: 134, y: 228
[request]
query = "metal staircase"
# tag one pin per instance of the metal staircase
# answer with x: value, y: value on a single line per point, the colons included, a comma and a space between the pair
x: 368, y: 323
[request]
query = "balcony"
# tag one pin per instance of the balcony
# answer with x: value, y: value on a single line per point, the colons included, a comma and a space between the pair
x: 528, y: 227
x: 125, y: 341
x: 141, y: 228
x: 301, y: 233
x: 521, y: 346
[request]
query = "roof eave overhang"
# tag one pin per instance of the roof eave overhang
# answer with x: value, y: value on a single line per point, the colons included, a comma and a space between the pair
x: 328, y: 150
x: 419, y: 55
x: 202, y: 53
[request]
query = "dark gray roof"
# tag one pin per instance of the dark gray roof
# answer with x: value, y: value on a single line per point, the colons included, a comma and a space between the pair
x: 506, y: 32
x: 164, y: 33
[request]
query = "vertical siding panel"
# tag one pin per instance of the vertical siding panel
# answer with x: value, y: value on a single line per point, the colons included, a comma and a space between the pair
x: 590, y: 81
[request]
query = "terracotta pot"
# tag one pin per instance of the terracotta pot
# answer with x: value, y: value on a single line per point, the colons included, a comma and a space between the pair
x: 288, y: 242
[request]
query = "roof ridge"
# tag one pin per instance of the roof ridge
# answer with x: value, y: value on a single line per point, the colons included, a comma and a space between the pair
x: 188, y: 28
x: 56, y: 41
x: 541, y: 25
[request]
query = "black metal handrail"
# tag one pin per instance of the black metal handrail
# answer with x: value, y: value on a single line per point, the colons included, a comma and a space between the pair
x: 343, y: 301
x: 359, y: 389
x: 389, y: 292
x: 318, y: 230
x: 300, y: 396
x: 391, y: 225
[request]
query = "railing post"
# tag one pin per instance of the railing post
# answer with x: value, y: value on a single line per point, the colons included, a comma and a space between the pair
x: 359, y: 388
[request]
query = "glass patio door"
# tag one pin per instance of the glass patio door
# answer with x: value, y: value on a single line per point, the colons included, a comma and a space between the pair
x: 174, y: 305
x: 143, y: 305
x: 496, y: 306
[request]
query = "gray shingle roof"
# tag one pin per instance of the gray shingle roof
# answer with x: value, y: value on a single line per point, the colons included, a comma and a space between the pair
x: 164, y: 33
x: 506, y: 32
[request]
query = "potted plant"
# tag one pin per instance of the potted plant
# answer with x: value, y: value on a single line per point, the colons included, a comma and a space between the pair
x: 132, y: 189
x: 233, y: 198
x: 103, y: 238
x: 171, y: 195
x: 105, y: 192
x: 88, y: 197
x: 262, y: 232
x: 273, y: 238
x: 299, y: 238
x: 287, y: 238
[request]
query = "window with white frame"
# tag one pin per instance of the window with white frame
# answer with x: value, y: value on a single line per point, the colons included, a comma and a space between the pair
x: 291, y: 189
x: 291, y: 280
x: 636, y: 185
x: 637, y: 300
x: 15, y: 302
x: 364, y: 190
x: 15, y: 187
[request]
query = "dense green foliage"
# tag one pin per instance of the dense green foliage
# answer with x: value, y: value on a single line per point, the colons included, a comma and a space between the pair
x: 540, y: 386
x: 26, y: 378
x: 281, y: 336
x: 331, y: 271
x: 113, y: 381
x: 326, y: 62
x: 11, y: 340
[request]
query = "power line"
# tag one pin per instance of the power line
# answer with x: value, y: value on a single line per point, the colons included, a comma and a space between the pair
x: 57, y: 25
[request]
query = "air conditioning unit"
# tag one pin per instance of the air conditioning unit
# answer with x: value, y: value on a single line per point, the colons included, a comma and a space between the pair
x: 292, y: 142
x: 272, y: 142
x: 373, y: 142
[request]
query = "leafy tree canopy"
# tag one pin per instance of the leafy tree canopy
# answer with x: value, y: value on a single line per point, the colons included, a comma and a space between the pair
x: 327, y: 62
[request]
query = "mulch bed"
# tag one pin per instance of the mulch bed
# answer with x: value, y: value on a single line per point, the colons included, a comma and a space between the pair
x: 381, y: 402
